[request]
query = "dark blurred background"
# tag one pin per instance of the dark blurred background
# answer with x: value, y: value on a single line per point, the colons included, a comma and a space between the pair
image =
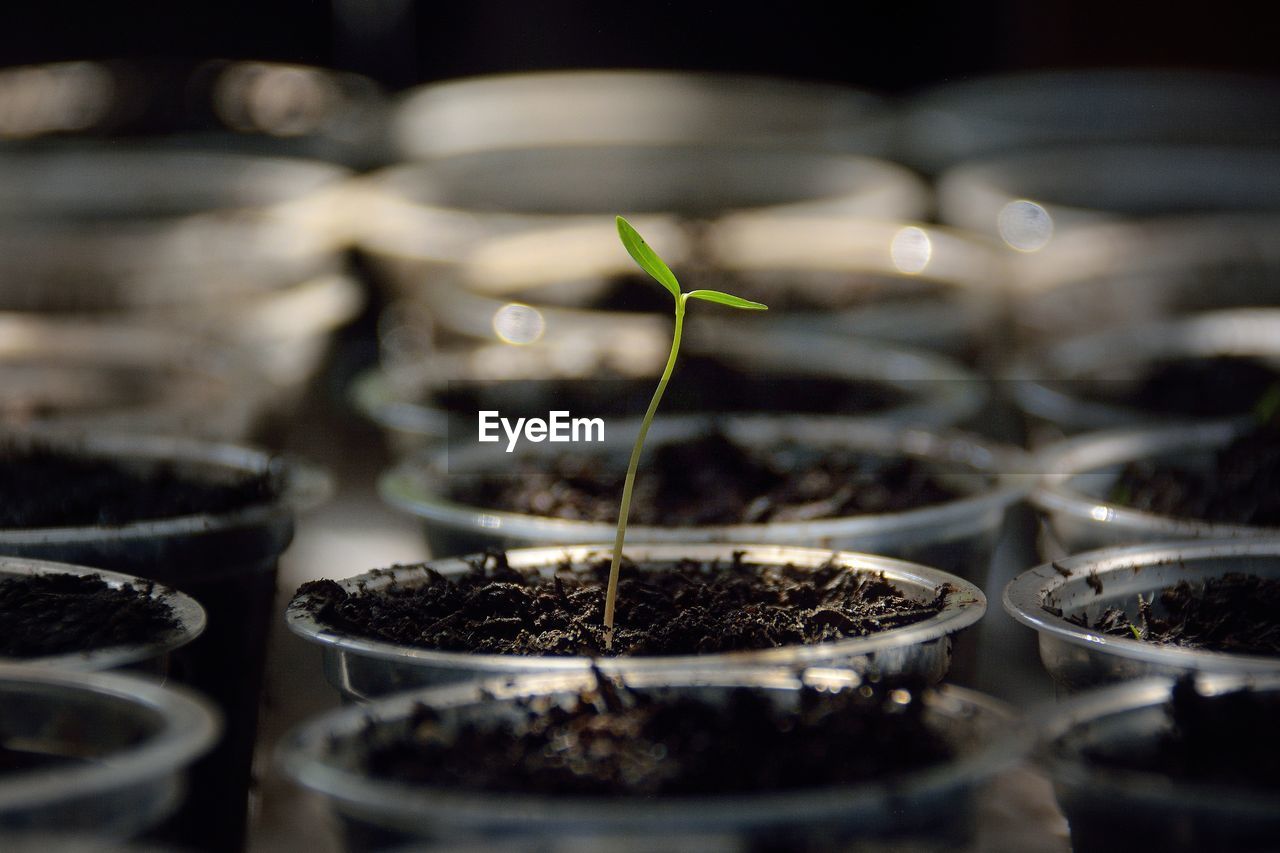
x: 890, y: 46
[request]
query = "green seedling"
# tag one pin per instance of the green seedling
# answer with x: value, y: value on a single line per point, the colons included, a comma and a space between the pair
x: 649, y: 261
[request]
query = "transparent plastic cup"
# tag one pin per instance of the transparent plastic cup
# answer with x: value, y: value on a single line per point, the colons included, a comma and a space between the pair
x: 1117, y: 275
x: 109, y: 750
x: 97, y: 227
x: 930, y: 390
x: 897, y: 281
x: 594, y: 107
x: 101, y: 374
x: 1051, y: 386
x: 1114, y: 809
x: 931, y: 806
x: 226, y: 561
x: 1078, y: 473
x: 958, y: 122
x: 417, y: 220
x: 1029, y: 199
x: 957, y: 536
x: 1088, y: 584
x: 285, y: 332
x: 265, y: 108
x: 151, y: 656
x: 362, y: 669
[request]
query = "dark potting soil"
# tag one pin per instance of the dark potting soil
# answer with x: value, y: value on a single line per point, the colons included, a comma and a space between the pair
x: 23, y: 760
x: 1227, y: 740
x: 41, y: 487
x: 1203, y: 387
x: 617, y: 741
x: 699, y: 384
x: 60, y: 614
x: 1239, y: 488
x: 689, y: 607
x: 710, y: 480
x: 1234, y: 613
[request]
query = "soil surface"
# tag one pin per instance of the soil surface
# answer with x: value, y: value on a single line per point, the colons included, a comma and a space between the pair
x: 60, y: 614
x: 1234, y: 613
x: 44, y: 488
x: 677, y: 609
x: 1239, y: 487
x: 22, y: 760
x: 616, y: 741
x: 1202, y: 387
x: 699, y: 384
x: 1226, y: 740
x: 710, y: 480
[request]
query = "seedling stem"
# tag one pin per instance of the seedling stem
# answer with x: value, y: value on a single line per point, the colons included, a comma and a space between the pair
x: 651, y: 263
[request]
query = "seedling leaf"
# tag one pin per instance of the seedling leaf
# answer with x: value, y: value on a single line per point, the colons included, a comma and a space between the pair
x: 647, y: 258
x: 727, y: 299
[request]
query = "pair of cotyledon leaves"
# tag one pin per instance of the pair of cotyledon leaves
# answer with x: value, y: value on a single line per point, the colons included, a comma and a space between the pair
x: 649, y: 261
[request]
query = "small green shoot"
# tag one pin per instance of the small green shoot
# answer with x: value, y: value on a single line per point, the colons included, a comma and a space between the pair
x: 651, y: 263
x: 1268, y: 406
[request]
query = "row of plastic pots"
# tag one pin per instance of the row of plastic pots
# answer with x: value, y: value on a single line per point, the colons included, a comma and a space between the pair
x: 958, y: 534
x: 219, y: 372
x: 124, y: 376
x: 152, y: 289
x: 1087, y: 382
x: 931, y: 130
x: 1050, y: 598
x: 870, y: 267
x: 157, y: 231
x: 162, y: 730
x: 223, y: 566
x: 931, y: 808
x: 1068, y: 482
x: 232, y: 223
x: 133, y: 739
x: 329, y: 754
x: 319, y: 112
x: 964, y: 596
x: 934, y: 807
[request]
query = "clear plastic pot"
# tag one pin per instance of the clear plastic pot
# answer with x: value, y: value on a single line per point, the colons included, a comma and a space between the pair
x: 362, y: 669
x: 109, y: 750
x: 152, y: 656
x: 1122, y: 274
x: 260, y: 107
x: 894, y: 281
x: 931, y: 807
x: 103, y: 227
x: 227, y: 562
x: 934, y: 391
x: 417, y: 219
x: 1110, y: 809
x: 1078, y: 473
x: 596, y: 107
x: 284, y: 332
x: 83, y: 374
x: 1028, y: 199
x: 1051, y: 386
x: 974, y: 118
x: 957, y: 536
x: 1090, y: 583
